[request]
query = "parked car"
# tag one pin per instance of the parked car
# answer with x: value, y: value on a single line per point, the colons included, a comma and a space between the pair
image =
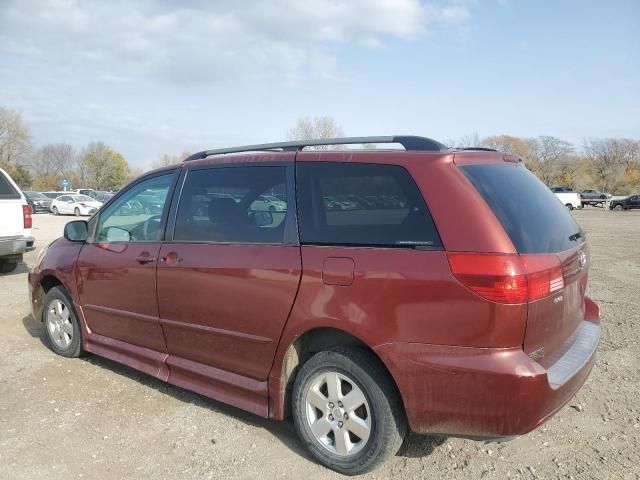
x: 567, y: 197
x: 103, y: 197
x: 15, y: 224
x: 461, y: 312
x: 74, y: 205
x: 593, y: 197
x: 38, y: 202
x: 53, y: 195
x: 625, y: 203
x: 268, y: 203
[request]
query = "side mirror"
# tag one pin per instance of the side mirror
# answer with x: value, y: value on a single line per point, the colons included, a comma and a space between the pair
x: 76, y: 231
x: 263, y: 219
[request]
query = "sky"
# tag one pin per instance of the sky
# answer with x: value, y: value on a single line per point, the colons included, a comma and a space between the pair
x: 157, y: 76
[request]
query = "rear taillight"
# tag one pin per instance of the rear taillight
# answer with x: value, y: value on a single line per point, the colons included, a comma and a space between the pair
x: 26, y: 216
x: 545, y: 275
x: 508, y: 278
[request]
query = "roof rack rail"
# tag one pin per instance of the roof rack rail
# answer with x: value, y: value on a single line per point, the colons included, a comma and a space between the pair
x: 409, y: 142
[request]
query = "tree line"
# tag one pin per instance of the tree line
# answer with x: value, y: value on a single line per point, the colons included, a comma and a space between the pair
x: 611, y: 165
x: 95, y: 166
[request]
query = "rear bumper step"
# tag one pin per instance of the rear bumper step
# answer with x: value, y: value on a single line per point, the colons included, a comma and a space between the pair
x: 576, y: 357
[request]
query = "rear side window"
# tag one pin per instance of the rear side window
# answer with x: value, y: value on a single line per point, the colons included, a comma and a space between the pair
x: 6, y: 189
x: 530, y: 213
x: 234, y: 205
x: 362, y: 205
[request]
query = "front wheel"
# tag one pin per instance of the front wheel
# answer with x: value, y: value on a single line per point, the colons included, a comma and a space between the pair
x: 55, y: 210
x: 618, y: 208
x: 61, y: 324
x: 347, y: 410
x: 76, y: 212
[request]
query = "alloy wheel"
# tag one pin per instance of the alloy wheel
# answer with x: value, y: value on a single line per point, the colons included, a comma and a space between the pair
x: 338, y: 413
x: 59, y: 324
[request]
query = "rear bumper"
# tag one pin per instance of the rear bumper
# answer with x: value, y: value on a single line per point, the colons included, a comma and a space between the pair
x: 13, y: 246
x: 486, y: 392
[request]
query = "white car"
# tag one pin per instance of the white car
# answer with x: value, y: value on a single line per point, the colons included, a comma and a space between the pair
x: 268, y: 203
x: 15, y: 224
x: 74, y: 205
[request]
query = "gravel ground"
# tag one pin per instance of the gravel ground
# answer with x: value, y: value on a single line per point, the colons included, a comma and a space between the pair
x: 91, y: 418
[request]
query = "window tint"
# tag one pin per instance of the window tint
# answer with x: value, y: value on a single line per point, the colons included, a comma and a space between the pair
x: 234, y: 205
x: 6, y: 189
x: 362, y: 204
x: 531, y: 215
x: 136, y: 215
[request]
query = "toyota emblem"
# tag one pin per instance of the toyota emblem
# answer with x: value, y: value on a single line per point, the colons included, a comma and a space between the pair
x: 582, y: 259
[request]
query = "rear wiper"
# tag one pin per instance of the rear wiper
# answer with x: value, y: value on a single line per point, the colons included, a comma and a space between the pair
x: 575, y: 236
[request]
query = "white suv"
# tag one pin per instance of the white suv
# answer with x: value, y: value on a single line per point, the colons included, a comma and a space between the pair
x: 15, y: 224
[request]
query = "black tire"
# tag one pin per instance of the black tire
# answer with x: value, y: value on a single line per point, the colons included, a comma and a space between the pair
x: 76, y: 212
x: 8, y: 266
x: 74, y: 349
x: 55, y: 210
x: 618, y: 208
x: 272, y: 209
x: 569, y: 206
x: 388, y: 420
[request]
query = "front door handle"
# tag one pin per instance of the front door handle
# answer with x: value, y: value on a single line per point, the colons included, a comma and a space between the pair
x: 142, y: 259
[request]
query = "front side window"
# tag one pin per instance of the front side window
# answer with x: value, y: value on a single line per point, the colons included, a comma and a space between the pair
x: 362, y: 204
x: 136, y: 215
x: 234, y: 205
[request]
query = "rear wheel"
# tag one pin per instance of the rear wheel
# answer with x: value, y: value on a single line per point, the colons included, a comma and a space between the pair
x: 76, y: 212
x: 569, y: 206
x: 61, y: 324
x: 8, y: 266
x: 55, y: 210
x: 347, y: 410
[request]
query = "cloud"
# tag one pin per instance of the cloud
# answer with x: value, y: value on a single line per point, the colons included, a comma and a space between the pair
x: 202, y: 41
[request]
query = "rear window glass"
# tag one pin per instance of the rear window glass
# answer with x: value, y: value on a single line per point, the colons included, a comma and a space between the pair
x: 533, y: 217
x: 362, y: 204
x: 6, y: 189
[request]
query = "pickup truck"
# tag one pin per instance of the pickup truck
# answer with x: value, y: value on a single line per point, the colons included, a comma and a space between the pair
x: 593, y: 197
x: 624, y: 203
x: 15, y: 224
x: 568, y: 197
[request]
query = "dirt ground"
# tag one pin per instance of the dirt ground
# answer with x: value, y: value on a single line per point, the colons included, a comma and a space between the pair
x: 91, y: 418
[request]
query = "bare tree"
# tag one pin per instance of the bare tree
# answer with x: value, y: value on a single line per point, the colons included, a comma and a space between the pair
x: 51, y: 163
x: 508, y: 144
x: 467, y: 141
x: 604, y: 159
x: 315, y: 128
x: 546, y: 154
x: 15, y: 139
x: 166, y: 160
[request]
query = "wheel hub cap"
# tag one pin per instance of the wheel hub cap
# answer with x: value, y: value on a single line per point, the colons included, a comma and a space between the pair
x: 59, y: 324
x: 338, y: 413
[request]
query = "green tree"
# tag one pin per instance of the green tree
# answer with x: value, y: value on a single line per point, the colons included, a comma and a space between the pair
x: 19, y: 173
x: 103, y: 168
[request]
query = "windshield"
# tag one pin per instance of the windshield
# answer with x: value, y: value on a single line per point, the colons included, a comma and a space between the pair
x: 82, y: 198
x: 36, y: 195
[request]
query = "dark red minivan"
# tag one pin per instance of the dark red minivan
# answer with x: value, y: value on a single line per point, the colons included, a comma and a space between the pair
x: 361, y: 292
